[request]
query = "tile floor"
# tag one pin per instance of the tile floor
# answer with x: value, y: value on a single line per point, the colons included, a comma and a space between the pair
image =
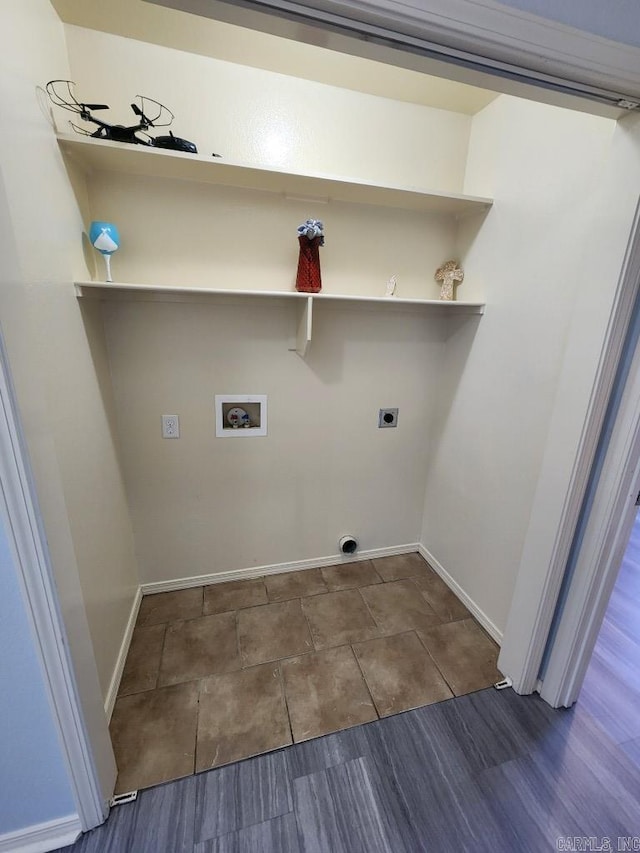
x: 223, y: 672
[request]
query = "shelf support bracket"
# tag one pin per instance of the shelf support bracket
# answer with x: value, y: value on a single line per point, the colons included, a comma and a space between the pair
x: 305, y: 326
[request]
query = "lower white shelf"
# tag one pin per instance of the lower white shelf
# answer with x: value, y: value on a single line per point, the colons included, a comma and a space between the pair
x: 161, y: 293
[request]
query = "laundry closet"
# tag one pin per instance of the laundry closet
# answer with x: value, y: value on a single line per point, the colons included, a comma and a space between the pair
x: 533, y: 201
x: 401, y: 188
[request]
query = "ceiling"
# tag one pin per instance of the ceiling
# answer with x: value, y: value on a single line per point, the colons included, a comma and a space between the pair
x: 170, y: 28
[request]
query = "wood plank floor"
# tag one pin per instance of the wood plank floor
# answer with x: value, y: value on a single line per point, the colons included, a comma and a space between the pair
x: 611, y: 690
x: 490, y: 771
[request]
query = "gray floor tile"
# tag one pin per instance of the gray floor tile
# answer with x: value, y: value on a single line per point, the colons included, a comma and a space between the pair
x: 164, y: 818
x: 531, y: 821
x: 609, y: 694
x: 581, y: 742
x: 242, y: 794
x: 161, y: 819
x: 428, y: 769
x: 631, y: 749
x: 553, y: 797
x: 489, y: 727
x: 320, y: 753
x: 278, y: 835
x: 113, y: 836
x: 337, y: 811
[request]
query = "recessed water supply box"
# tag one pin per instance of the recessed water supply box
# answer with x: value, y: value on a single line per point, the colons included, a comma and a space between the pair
x: 241, y: 415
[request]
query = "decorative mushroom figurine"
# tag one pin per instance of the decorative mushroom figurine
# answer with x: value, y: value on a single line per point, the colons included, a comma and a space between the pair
x: 449, y: 274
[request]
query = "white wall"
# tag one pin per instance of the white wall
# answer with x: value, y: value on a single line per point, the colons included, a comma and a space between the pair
x: 259, y: 117
x: 204, y: 504
x: 615, y: 200
x: 63, y: 412
x: 52, y: 360
x: 186, y: 234
x: 542, y: 166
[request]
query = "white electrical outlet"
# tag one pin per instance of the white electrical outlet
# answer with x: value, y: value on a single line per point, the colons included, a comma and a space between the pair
x: 170, y: 426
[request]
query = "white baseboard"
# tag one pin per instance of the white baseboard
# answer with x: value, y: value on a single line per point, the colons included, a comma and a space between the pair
x: 278, y: 568
x: 42, y: 837
x: 479, y: 614
x: 112, y: 692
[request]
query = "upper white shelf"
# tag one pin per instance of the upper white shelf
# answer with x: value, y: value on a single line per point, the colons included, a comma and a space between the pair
x: 97, y: 154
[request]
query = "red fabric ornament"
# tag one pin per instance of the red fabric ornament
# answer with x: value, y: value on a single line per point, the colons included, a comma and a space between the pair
x: 308, y: 278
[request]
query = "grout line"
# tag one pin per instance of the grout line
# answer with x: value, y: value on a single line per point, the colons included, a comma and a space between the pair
x: 364, y: 600
x: 444, y: 619
x: 345, y: 645
x: 366, y: 683
x: 195, y: 746
x: 286, y: 701
x: 426, y: 600
x: 299, y: 595
x: 164, y: 641
x: 306, y: 619
x: 263, y: 579
x: 237, y: 630
x: 136, y: 693
x: 377, y: 574
x: 435, y: 663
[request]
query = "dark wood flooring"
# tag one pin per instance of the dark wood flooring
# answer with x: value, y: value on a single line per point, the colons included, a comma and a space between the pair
x: 490, y: 771
x: 611, y: 690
